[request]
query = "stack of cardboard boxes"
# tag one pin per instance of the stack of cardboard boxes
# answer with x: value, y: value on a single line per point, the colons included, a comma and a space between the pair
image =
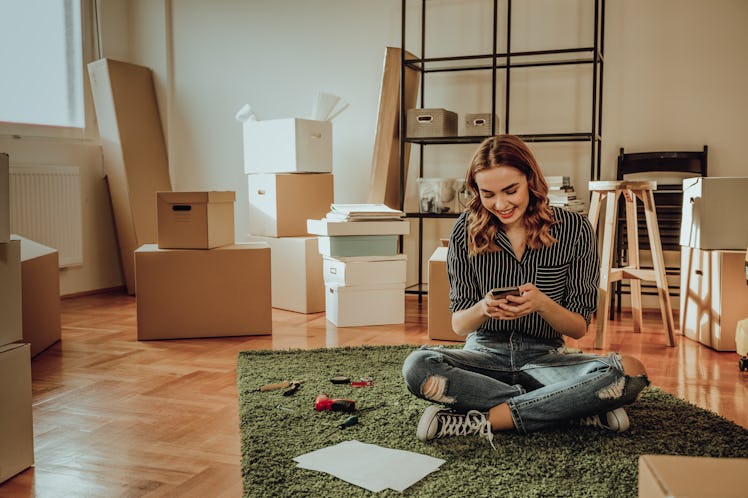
x: 16, y: 427
x: 196, y: 282
x: 288, y: 163
x: 364, y: 274
x: 714, y: 235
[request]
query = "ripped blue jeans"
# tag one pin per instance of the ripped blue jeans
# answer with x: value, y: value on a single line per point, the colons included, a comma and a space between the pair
x: 541, y: 383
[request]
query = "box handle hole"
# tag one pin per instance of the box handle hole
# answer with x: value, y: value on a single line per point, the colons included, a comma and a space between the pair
x: 426, y: 118
x: 479, y: 122
x: 181, y: 207
x: 260, y: 192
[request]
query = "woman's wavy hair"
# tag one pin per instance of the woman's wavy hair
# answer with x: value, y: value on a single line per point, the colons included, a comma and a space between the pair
x: 482, y: 226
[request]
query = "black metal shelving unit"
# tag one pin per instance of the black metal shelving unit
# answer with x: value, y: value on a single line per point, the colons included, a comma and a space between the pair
x: 495, y: 62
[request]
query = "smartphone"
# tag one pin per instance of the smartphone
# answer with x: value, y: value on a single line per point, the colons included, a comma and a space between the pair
x: 502, y: 292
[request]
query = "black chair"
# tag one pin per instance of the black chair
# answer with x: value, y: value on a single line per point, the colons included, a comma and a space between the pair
x: 668, y: 204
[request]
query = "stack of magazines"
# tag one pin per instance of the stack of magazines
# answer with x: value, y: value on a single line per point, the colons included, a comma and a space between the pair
x: 363, y: 212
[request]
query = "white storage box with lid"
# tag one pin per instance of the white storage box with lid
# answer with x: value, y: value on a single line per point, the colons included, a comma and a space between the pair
x: 195, y: 220
x: 360, y: 305
x: 328, y: 228
x: 358, y: 245
x: 715, y: 213
x: 280, y: 204
x: 287, y: 146
x: 365, y: 270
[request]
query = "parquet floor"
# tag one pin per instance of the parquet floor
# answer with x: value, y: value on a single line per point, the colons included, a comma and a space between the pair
x: 114, y: 417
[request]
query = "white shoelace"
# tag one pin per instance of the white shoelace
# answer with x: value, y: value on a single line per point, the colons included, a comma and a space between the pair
x: 473, y: 422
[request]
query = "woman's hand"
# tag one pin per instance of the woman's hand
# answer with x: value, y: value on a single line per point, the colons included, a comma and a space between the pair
x: 512, y: 307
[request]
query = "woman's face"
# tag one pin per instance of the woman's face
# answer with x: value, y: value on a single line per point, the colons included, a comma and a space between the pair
x: 503, y: 192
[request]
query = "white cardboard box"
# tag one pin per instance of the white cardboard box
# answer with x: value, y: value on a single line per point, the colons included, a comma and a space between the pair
x: 195, y: 220
x: 359, y: 305
x: 365, y: 270
x: 4, y: 198
x: 192, y: 293
x: 296, y: 273
x: 40, y: 295
x: 439, y: 314
x: 673, y: 476
x: 344, y: 246
x: 279, y: 204
x: 329, y: 228
x: 16, y: 423
x: 715, y: 213
x: 11, y: 329
x: 292, y: 145
x: 713, y: 295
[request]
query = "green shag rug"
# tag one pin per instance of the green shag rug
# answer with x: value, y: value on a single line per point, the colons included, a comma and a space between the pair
x: 573, y: 462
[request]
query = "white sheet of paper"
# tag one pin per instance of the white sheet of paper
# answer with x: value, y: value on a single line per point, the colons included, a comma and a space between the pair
x: 370, y: 466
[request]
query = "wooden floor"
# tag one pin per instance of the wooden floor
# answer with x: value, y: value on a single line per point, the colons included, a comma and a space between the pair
x: 117, y: 417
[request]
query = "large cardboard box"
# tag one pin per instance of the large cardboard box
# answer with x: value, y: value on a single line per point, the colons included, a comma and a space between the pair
x: 329, y: 228
x: 715, y: 213
x: 296, y: 273
x: 439, y: 314
x: 16, y: 423
x: 365, y: 270
x: 280, y: 204
x: 11, y: 329
x: 190, y: 293
x: 713, y: 297
x: 134, y: 151
x: 360, y: 305
x: 195, y: 220
x: 40, y: 286
x: 4, y: 198
x: 292, y: 145
x: 672, y: 476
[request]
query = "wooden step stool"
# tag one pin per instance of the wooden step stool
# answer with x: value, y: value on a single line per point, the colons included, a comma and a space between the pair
x: 610, y: 190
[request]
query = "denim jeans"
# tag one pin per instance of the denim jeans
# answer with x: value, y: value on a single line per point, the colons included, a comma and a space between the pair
x: 542, y: 384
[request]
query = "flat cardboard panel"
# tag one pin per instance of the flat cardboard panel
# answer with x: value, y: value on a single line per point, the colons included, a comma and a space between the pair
x: 439, y: 315
x: 361, y: 305
x: 195, y: 220
x: 40, y: 285
x: 11, y: 329
x: 280, y: 204
x: 714, y: 213
x: 134, y: 151
x: 365, y: 270
x: 296, y: 273
x: 191, y: 293
x: 385, y: 164
x: 4, y: 198
x: 16, y: 423
x: 287, y: 146
x: 714, y: 296
x: 672, y: 476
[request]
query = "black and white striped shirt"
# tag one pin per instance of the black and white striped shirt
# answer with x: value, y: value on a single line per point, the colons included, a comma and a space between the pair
x: 567, y: 271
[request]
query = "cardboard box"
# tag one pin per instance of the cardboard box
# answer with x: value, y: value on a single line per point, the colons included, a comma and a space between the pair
x: 365, y: 270
x: 713, y: 297
x: 291, y: 145
x: 11, y: 329
x: 329, y: 228
x: 296, y: 273
x: 188, y: 293
x: 4, y: 198
x: 439, y: 314
x: 134, y: 151
x: 358, y: 245
x: 40, y: 292
x: 672, y: 476
x: 279, y: 205
x: 714, y: 213
x: 360, y: 305
x: 195, y: 220
x: 16, y: 423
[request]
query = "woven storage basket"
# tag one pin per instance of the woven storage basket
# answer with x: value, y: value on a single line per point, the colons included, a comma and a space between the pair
x: 480, y: 124
x: 422, y: 123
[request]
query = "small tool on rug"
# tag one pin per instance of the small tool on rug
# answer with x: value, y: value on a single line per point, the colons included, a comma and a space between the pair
x: 349, y: 422
x: 279, y: 385
x: 324, y: 403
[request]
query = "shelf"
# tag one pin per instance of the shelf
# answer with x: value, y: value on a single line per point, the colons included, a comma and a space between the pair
x: 432, y: 215
x: 536, y: 137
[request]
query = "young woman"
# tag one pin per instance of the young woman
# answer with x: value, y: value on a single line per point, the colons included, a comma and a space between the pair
x: 514, y: 371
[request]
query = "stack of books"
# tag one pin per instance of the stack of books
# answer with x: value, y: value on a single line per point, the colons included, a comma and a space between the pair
x: 363, y: 271
x: 561, y: 193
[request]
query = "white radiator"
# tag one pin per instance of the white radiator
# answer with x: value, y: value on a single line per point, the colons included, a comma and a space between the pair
x: 45, y: 206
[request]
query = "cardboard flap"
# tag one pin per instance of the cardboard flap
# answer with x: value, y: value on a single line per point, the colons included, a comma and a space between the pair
x: 31, y: 249
x: 202, y: 197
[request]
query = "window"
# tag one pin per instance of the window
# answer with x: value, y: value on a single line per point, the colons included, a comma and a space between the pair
x: 42, y: 58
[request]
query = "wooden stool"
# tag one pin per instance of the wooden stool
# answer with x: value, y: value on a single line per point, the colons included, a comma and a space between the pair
x: 610, y: 190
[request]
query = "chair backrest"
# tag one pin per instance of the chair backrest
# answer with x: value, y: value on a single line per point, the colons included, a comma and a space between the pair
x: 694, y: 163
